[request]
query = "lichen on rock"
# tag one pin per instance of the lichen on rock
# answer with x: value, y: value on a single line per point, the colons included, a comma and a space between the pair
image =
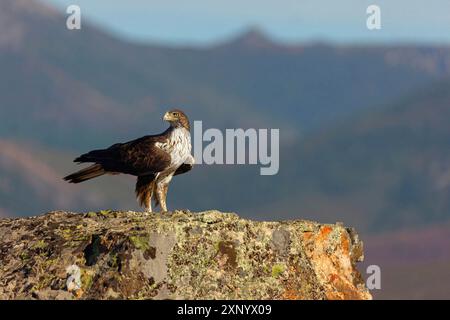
x: 179, y: 255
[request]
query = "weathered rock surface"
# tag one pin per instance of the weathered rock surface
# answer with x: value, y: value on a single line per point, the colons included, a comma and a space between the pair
x: 206, y: 255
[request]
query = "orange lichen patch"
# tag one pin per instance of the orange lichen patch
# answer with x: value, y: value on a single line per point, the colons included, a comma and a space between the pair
x: 291, y: 294
x: 325, y: 231
x: 78, y: 293
x: 345, y: 244
x: 307, y: 235
x: 343, y: 290
x: 333, y: 295
x: 333, y: 277
x: 340, y: 288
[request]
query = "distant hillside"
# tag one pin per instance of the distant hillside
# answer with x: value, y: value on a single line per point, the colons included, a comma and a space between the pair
x: 31, y: 180
x: 385, y: 169
x: 28, y: 184
x: 415, y: 263
x: 66, y: 92
x: 57, y: 84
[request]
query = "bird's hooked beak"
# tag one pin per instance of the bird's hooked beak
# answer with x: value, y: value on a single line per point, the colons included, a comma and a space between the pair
x: 167, y: 117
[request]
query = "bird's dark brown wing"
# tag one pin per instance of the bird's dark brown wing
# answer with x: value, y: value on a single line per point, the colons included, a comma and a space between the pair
x: 138, y: 157
x: 183, y: 169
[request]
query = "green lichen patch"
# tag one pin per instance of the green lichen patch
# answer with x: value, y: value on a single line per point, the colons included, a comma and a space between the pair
x: 87, y: 279
x: 140, y: 242
x: 39, y: 245
x: 277, y: 270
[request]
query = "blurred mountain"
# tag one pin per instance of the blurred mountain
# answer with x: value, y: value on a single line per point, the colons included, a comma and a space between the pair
x: 30, y: 183
x: 57, y: 84
x: 414, y: 263
x: 65, y: 92
x: 384, y: 169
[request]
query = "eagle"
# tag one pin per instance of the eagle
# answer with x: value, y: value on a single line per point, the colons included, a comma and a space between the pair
x: 154, y: 159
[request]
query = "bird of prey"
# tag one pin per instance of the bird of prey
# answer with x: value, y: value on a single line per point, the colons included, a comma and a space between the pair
x: 154, y: 159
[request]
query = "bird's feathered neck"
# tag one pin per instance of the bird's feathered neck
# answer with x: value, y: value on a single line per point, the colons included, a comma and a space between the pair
x: 172, y: 128
x: 182, y: 123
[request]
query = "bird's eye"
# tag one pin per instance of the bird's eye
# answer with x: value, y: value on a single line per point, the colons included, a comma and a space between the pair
x: 175, y: 114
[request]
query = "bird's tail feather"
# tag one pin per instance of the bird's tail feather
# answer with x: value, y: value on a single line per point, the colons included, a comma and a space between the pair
x: 95, y: 156
x: 91, y: 172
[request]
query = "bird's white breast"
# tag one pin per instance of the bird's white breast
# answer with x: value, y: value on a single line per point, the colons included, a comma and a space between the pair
x: 178, y: 146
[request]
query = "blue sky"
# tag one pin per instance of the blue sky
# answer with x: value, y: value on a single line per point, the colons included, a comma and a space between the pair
x: 206, y: 21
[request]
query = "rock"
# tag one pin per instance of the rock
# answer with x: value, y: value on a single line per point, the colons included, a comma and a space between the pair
x: 179, y: 255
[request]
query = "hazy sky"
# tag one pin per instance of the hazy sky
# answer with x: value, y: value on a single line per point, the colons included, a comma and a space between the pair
x: 203, y: 21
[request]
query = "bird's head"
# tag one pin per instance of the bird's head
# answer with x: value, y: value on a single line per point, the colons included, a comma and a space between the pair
x: 177, y: 118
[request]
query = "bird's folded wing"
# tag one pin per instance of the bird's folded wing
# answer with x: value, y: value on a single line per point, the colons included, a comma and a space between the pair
x: 138, y: 157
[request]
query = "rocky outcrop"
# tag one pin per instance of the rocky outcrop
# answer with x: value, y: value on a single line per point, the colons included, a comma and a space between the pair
x: 206, y: 255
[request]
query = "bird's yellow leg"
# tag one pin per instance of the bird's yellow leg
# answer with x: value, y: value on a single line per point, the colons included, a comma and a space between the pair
x: 161, y: 193
x: 164, y: 195
x: 148, y: 201
x: 148, y: 204
x: 161, y: 198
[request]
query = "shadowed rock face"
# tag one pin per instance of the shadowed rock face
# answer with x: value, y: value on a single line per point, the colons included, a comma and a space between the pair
x: 206, y: 255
